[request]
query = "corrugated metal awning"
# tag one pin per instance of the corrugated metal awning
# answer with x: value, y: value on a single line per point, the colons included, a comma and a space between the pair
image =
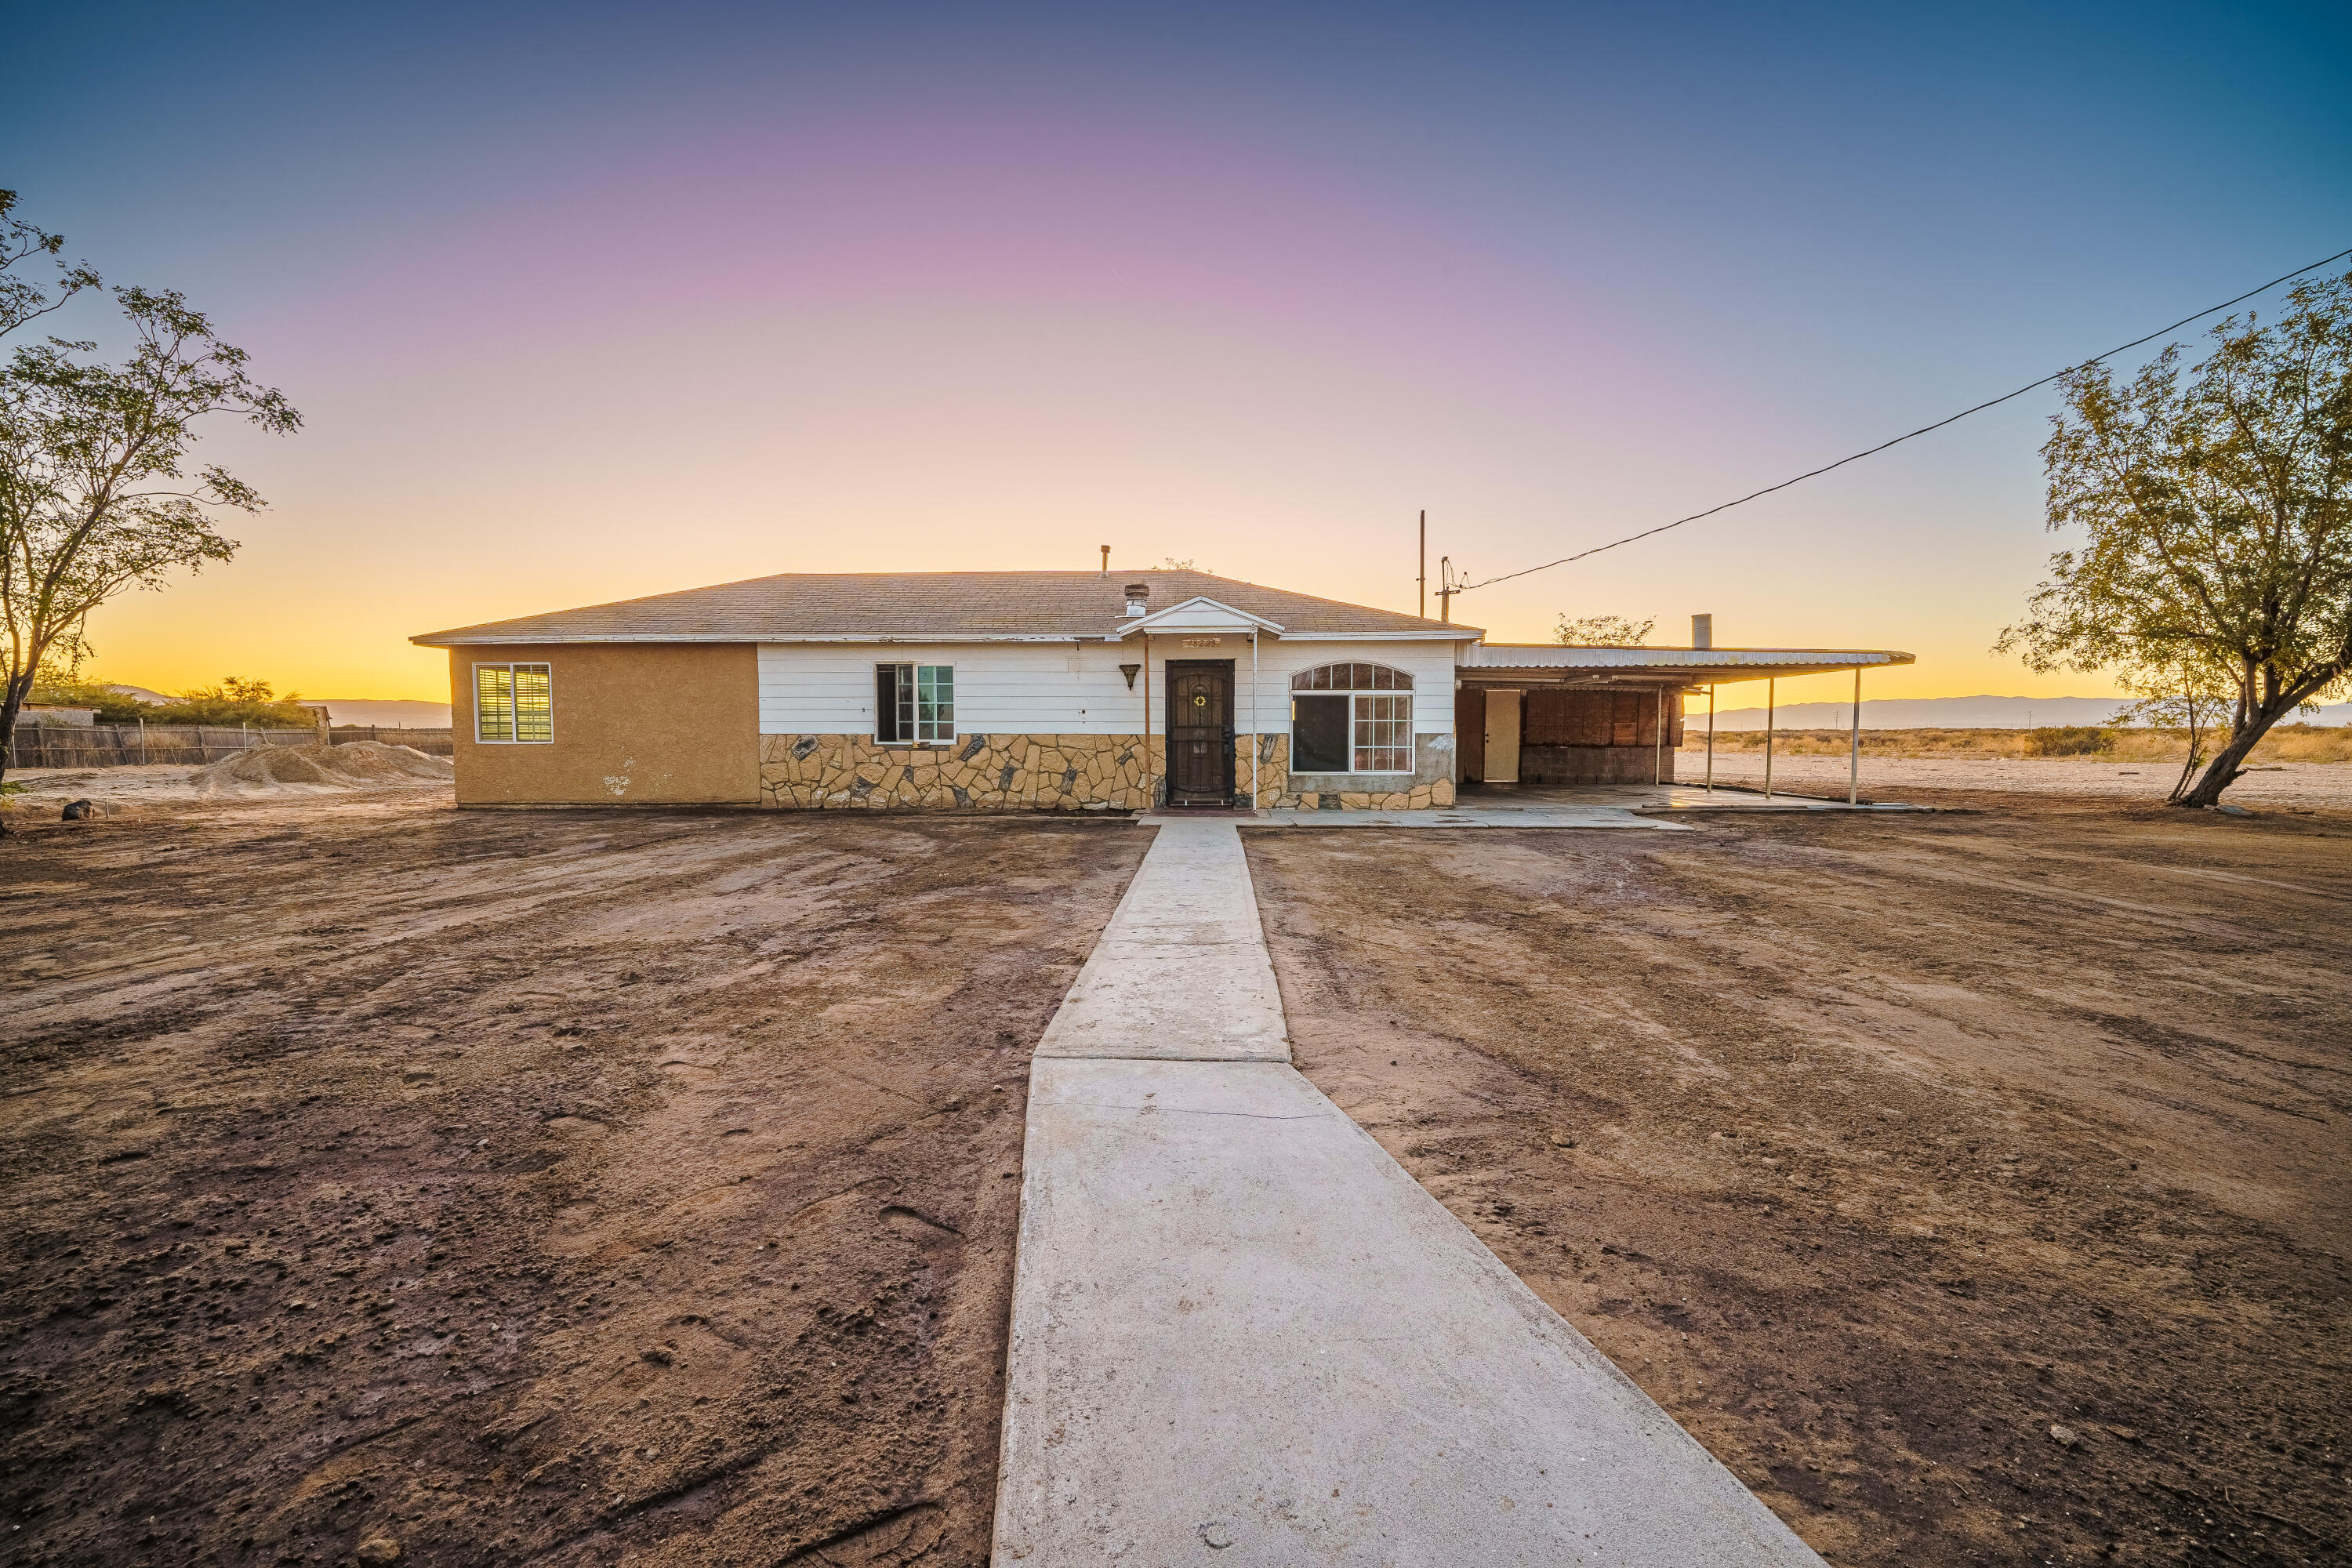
x: 1551, y: 664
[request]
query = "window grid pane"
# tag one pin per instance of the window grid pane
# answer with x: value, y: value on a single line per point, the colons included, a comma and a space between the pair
x: 493, y: 703
x: 906, y: 684
x: 535, y: 703
x: 1383, y: 735
x: 934, y: 702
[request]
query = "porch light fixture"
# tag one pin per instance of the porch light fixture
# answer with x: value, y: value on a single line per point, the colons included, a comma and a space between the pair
x: 1128, y: 670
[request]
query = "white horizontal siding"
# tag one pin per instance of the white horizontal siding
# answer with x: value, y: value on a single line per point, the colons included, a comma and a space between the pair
x: 1431, y: 665
x: 1067, y: 688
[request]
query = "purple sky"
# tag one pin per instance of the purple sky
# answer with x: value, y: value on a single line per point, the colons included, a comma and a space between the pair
x: 586, y: 302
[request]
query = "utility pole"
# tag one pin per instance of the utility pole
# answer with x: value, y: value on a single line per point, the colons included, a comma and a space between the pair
x: 1423, y: 608
x: 1446, y: 589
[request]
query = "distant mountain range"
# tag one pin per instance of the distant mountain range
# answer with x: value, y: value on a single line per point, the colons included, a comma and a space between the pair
x: 1952, y: 713
x: 390, y: 715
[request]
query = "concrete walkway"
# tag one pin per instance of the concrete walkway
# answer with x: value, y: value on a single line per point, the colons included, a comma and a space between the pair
x: 1243, y: 1334
x: 1181, y: 971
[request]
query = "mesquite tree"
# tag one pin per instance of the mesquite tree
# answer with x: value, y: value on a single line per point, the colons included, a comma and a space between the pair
x: 97, y: 494
x: 2219, y: 510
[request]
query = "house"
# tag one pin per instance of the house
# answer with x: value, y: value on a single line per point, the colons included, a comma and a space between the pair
x: 996, y: 690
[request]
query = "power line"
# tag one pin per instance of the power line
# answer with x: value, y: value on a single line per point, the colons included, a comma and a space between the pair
x: 1907, y: 435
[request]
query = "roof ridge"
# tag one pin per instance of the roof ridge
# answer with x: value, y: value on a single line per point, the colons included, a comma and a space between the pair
x: 1050, y: 604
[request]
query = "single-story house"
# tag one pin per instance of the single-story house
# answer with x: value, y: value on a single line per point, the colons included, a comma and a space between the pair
x: 1070, y: 690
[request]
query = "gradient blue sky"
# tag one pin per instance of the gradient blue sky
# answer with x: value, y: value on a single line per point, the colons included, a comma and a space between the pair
x: 588, y: 302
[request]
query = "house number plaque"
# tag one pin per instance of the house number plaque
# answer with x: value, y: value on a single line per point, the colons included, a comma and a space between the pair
x: 1205, y: 642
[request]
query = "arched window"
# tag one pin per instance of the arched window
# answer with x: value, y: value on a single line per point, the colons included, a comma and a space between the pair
x: 1351, y: 719
x: 1351, y: 678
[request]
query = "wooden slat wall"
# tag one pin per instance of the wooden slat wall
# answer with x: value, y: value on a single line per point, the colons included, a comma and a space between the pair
x: 1579, y: 737
x: 1595, y: 718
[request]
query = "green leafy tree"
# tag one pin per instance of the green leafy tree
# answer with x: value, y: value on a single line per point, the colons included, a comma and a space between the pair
x: 63, y: 687
x: 2195, y: 699
x: 1601, y: 631
x: 236, y: 701
x: 2218, y: 506
x: 99, y: 493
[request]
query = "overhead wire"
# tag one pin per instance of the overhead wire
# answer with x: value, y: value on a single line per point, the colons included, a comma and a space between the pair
x: 1908, y: 434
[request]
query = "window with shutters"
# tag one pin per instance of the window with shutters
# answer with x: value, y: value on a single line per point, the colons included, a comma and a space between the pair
x: 914, y: 704
x: 514, y: 703
x: 1351, y: 719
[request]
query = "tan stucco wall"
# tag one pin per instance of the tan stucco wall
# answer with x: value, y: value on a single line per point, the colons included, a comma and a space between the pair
x: 635, y: 723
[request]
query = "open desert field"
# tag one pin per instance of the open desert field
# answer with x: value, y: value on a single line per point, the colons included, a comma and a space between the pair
x: 558, y: 1187
x: 1974, y: 1185
x: 2283, y: 786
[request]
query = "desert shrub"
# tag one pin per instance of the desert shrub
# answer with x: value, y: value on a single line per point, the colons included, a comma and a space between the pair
x: 2068, y: 740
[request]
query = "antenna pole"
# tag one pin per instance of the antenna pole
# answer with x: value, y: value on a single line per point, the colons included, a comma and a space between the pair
x: 1422, y: 609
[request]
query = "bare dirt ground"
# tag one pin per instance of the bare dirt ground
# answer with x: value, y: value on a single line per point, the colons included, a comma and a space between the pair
x: 282, y: 772
x: 1975, y: 1186
x: 2320, y: 785
x: 557, y: 1188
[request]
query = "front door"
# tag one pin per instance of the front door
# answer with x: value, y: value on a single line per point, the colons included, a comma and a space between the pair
x: 1201, y: 732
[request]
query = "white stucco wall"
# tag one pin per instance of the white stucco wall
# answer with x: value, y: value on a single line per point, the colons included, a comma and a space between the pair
x: 1071, y: 688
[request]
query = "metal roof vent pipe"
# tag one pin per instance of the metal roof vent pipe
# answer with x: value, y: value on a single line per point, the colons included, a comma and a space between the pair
x: 1137, y: 592
x: 1702, y: 631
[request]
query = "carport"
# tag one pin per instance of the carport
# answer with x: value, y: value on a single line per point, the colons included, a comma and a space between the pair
x: 1544, y: 713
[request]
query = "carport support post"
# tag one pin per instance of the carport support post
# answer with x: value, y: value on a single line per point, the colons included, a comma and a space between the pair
x: 1853, y: 763
x: 1658, y: 747
x: 1768, y: 684
x: 1711, y: 737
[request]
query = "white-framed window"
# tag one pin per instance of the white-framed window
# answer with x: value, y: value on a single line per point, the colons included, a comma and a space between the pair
x: 514, y: 703
x: 1351, y: 719
x: 914, y: 704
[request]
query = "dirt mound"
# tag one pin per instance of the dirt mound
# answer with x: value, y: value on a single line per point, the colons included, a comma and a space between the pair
x: 355, y: 765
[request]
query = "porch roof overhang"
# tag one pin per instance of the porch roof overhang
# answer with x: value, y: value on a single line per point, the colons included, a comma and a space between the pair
x: 1545, y: 664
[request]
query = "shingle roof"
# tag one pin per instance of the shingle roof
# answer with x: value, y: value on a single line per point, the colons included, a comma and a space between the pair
x: 922, y: 606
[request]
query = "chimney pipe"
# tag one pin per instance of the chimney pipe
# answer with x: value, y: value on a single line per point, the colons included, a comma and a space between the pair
x: 1137, y: 593
x: 1702, y: 631
x: 1106, y: 566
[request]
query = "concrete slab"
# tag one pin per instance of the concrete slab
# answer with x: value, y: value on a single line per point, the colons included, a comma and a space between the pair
x: 1181, y: 971
x: 1241, y: 1334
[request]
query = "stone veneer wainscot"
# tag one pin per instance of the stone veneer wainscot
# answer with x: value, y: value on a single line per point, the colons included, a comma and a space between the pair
x: 1032, y: 773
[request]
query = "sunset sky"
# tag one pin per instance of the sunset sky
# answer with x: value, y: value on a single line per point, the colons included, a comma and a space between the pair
x: 583, y: 302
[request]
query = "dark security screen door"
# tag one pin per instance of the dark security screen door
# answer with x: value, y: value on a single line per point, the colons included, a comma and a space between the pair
x: 1200, y: 732
x: 1318, y: 734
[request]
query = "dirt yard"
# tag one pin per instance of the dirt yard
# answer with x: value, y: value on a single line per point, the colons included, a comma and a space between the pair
x: 548, y: 1187
x: 1975, y: 1186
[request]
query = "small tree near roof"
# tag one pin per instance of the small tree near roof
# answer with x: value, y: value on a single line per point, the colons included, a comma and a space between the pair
x: 2219, y: 510
x: 1601, y: 631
